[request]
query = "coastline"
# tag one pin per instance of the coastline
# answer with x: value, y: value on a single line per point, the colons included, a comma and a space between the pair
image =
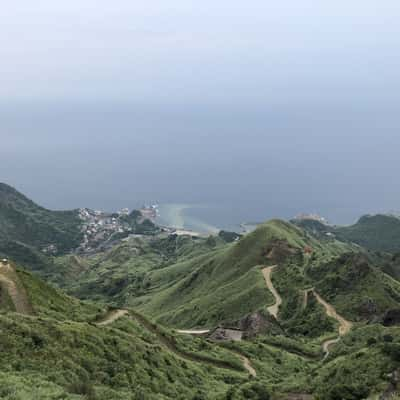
x: 175, y: 215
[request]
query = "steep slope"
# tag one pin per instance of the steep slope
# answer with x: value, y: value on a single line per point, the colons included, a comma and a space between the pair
x: 22, y: 222
x: 122, y: 272
x: 358, y: 289
x: 274, y: 309
x: 33, y: 235
x: 390, y: 264
x: 316, y: 228
x: 121, y: 354
x: 124, y: 358
x: 12, y: 288
x: 375, y: 232
x: 379, y: 232
x: 228, y: 283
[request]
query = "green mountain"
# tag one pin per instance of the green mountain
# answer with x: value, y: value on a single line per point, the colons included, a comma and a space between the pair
x: 60, y: 347
x: 33, y: 235
x: 228, y: 283
x: 289, y: 311
x: 186, y: 283
x: 120, y: 354
x: 26, y: 228
x: 375, y: 232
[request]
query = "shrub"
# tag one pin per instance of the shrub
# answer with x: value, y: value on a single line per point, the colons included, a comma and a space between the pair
x: 347, y: 392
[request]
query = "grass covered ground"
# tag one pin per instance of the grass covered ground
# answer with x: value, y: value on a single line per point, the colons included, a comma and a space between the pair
x: 62, y: 353
x: 185, y: 282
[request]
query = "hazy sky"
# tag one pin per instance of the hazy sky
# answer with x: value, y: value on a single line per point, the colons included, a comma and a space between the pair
x: 288, y: 106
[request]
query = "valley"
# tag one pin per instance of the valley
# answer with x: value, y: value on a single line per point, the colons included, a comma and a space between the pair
x: 282, y: 312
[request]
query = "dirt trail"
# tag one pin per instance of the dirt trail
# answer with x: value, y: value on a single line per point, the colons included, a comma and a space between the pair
x: 274, y: 309
x: 116, y: 314
x: 246, y: 362
x: 112, y: 316
x: 247, y: 365
x: 344, y: 325
x: 10, y: 282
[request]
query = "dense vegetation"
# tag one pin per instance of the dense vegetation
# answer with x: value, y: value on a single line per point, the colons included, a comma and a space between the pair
x: 374, y: 232
x: 192, y: 283
x: 26, y: 227
x: 58, y: 349
x: 126, y: 360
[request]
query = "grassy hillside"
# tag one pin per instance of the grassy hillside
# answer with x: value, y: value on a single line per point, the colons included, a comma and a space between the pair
x: 122, y: 272
x: 185, y: 282
x: 133, y: 358
x: 125, y: 360
x: 25, y: 226
x: 190, y: 283
x: 356, y: 287
x: 227, y: 283
x: 194, y: 283
x: 375, y: 232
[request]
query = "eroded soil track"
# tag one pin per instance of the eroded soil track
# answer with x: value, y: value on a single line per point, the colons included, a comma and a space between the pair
x: 11, y: 283
x: 112, y: 316
x: 274, y: 309
x: 171, y: 346
x: 344, y: 325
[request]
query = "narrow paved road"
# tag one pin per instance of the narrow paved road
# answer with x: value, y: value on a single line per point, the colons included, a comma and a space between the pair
x: 274, y: 309
x: 193, y: 332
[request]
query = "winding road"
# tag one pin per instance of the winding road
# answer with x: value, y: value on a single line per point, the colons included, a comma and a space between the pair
x: 245, y: 361
x: 344, y: 325
x: 274, y: 309
x: 117, y: 314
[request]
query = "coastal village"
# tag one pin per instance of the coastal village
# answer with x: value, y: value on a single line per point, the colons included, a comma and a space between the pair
x: 100, y: 228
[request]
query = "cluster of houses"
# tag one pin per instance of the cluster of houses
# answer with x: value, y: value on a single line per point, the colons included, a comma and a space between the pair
x: 98, y: 226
